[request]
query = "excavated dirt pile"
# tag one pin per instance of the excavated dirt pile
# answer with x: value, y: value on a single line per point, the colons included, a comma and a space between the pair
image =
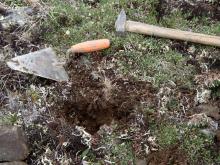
x: 96, y: 95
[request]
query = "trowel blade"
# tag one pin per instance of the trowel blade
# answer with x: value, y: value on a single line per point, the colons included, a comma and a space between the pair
x: 43, y: 63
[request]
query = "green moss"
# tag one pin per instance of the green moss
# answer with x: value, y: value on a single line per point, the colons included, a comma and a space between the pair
x: 175, y: 20
x: 173, y: 104
x: 215, y: 89
x: 197, y: 146
x: 33, y: 94
x: 14, y: 2
x: 9, y: 119
x: 122, y: 153
x: 217, y: 159
x: 117, y: 151
x: 167, y: 135
x: 88, y: 155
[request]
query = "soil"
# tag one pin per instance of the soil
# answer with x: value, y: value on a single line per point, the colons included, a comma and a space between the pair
x: 97, y: 96
x: 172, y: 155
x: 192, y: 8
x: 49, y: 146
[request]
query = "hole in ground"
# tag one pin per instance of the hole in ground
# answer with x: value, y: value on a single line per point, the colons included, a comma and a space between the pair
x: 97, y: 95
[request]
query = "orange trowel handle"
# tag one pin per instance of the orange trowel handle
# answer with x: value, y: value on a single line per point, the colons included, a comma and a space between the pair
x: 90, y: 46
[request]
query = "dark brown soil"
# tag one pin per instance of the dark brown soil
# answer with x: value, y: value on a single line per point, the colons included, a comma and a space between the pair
x: 171, y: 155
x: 11, y: 79
x: 50, y: 137
x: 192, y: 9
x: 97, y: 96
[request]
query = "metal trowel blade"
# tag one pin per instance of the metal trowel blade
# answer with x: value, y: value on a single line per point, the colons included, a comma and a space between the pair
x: 43, y: 63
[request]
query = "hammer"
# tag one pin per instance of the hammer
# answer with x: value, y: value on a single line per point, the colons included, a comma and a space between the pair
x: 123, y: 25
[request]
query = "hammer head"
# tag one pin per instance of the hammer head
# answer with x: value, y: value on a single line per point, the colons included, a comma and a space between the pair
x: 121, y: 22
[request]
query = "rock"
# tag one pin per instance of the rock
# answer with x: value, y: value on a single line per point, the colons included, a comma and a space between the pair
x: 12, y: 144
x: 210, y: 111
x: 202, y: 96
x: 208, y: 132
x: 199, y: 120
x: 203, y: 120
x: 17, y: 17
x: 14, y: 163
x: 192, y: 49
x: 141, y: 162
x: 85, y: 163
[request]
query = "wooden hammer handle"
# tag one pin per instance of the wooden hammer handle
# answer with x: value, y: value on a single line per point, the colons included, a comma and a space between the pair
x: 152, y: 30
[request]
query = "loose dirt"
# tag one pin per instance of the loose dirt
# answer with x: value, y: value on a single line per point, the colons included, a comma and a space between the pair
x: 192, y: 8
x: 171, y: 155
x: 97, y: 95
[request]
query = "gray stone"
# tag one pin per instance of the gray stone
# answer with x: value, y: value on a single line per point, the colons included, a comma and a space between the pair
x: 19, y: 17
x: 14, y: 163
x: 13, y: 145
x: 141, y: 162
x: 210, y: 110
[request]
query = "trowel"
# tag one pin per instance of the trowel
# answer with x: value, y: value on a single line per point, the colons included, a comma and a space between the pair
x: 14, y: 17
x: 43, y: 63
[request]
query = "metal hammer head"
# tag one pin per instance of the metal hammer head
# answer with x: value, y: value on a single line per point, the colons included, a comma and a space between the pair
x: 121, y: 22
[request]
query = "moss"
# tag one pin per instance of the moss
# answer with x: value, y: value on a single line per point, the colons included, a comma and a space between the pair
x: 33, y: 94
x: 122, y: 153
x: 215, y: 89
x: 167, y: 135
x: 173, y: 104
x: 197, y: 145
x: 9, y: 119
x: 189, y: 139
x: 14, y: 3
x: 89, y: 155
x: 118, y: 152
